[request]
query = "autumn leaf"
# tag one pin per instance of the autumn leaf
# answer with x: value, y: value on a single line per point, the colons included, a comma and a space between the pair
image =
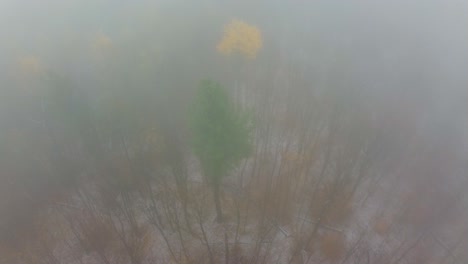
x: 101, y: 42
x: 240, y: 37
x: 30, y: 65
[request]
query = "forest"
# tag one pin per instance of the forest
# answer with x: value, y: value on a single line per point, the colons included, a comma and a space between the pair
x: 235, y: 132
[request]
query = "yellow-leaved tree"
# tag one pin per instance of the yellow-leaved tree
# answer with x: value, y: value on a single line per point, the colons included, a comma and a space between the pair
x: 101, y: 42
x: 240, y: 37
x: 30, y: 65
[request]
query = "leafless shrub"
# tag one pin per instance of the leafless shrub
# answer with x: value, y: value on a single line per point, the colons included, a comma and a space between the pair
x: 332, y: 246
x: 340, y: 207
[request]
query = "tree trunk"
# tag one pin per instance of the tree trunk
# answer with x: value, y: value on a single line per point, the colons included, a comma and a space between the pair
x: 217, y: 201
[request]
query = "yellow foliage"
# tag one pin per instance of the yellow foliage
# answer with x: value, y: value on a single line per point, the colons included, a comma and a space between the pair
x: 101, y: 42
x: 240, y: 37
x: 30, y: 65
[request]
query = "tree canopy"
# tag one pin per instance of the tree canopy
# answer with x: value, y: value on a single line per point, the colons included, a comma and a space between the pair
x: 220, y: 135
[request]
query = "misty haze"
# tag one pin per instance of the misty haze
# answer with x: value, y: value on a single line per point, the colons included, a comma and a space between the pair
x: 235, y: 132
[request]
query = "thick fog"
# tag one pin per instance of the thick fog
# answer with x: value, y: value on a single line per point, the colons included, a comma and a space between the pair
x: 256, y: 131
